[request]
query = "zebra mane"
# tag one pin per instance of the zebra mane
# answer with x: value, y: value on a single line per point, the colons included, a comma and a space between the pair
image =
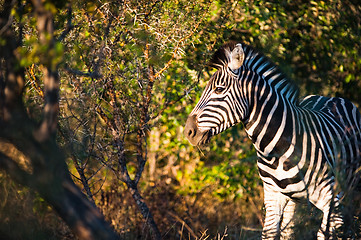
x: 221, y: 57
x: 257, y: 62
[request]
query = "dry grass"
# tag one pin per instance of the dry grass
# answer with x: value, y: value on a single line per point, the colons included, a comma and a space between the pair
x: 183, y: 217
x: 24, y: 215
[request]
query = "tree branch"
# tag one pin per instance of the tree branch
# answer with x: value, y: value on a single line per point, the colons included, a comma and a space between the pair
x: 69, y: 25
x: 18, y: 174
x: 94, y: 74
x: 11, y: 74
x: 175, y: 51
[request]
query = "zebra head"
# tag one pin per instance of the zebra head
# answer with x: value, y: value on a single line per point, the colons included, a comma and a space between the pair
x: 220, y: 105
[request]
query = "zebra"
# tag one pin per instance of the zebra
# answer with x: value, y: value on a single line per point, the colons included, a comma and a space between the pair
x: 304, y: 146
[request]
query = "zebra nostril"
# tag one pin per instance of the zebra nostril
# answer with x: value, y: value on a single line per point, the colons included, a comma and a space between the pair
x: 191, y: 132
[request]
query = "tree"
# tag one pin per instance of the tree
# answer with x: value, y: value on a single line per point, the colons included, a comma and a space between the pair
x: 29, y: 151
x: 125, y: 51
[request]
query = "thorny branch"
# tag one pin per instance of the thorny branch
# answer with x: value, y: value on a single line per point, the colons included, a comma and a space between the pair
x: 113, y: 116
x: 178, y: 46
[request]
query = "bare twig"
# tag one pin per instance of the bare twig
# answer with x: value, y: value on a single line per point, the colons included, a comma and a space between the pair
x: 8, y: 23
x: 94, y: 74
x: 34, y: 81
x: 69, y: 25
x: 190, y: 230
x: 177, y: 48
x: 84, y: 180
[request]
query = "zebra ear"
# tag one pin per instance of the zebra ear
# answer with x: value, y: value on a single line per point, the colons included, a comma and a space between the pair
x: 237, y: 57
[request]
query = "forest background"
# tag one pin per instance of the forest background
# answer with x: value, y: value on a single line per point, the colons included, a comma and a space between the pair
x: 94, y: 96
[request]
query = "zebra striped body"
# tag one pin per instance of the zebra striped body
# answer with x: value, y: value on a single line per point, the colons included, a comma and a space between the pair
x: 302, y: 145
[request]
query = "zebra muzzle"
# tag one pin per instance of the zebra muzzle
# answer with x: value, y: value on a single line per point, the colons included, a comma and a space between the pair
x: 194, y: 134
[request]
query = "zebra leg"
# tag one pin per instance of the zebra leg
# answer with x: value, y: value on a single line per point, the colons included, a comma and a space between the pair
x: 332, y: 219
x: 287, y: 221
x: 275, y: 203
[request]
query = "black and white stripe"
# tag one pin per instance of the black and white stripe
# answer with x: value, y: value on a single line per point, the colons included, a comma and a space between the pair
x: 304, y: 146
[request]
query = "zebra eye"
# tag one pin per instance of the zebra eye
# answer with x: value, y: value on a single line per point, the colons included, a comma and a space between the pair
x: 219, y: 90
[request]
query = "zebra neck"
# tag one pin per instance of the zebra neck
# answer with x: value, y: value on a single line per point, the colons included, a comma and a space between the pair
x: 272, y: 126
x: 271, y: 74
x: 272, y: 102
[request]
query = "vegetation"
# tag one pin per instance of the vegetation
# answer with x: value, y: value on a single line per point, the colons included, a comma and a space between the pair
x: 94, y: 96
